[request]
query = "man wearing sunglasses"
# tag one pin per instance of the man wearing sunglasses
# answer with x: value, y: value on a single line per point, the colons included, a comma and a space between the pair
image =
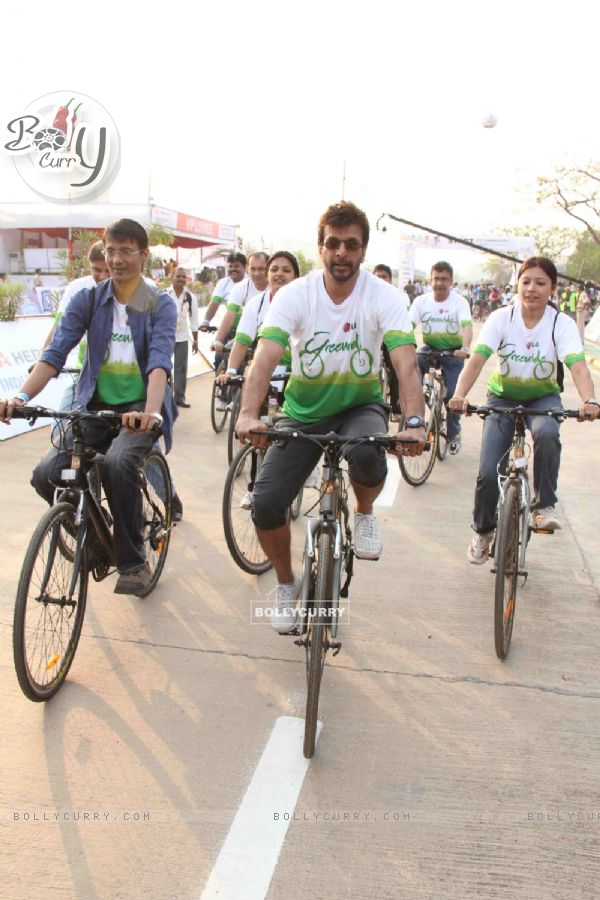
x: 335, y: 321
x: 130, y: 327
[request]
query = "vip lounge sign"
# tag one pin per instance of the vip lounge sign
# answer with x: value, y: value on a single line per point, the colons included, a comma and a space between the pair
x: 65, y: 146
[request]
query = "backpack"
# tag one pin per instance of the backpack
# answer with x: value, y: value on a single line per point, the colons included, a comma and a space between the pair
x: 560, y: 369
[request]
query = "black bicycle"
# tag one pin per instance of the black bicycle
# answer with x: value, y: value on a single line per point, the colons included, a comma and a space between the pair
x: 72, y: 540
x: 417, y: 469
x: 514, y: 528
x: 328, y: 557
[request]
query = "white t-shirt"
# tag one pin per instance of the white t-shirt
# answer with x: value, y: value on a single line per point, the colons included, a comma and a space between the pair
x: 119, y: 379
x: 224, y: 287
x: 253, y: 315
x: 527, y: 357
x: 187, y: 313
x: 335, y: 347
x: 442, y: 324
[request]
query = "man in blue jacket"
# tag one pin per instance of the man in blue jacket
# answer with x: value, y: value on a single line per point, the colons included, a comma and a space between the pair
x: 130, y: 329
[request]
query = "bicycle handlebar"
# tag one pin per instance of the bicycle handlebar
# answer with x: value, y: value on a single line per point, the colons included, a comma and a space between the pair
x: 111, y: 418
x: 442, y: 354
x: 332, y: 439
x: 483, y: 411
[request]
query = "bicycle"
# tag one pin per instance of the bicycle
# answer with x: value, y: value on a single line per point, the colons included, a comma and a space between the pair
x: 514, y: 529
x: 417, y: 469
x: 328, y: 555
x: 73, y: 539
x: 220, y: 395
x: 271, y: 407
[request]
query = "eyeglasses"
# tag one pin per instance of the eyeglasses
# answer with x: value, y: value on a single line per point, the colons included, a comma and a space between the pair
x: 351, y: 244
x: 124, y: 254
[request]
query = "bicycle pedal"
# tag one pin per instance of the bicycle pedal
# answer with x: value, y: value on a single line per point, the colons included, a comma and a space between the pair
x: 541, y: 530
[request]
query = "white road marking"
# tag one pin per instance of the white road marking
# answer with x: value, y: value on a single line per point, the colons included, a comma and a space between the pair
x: 245, y: 865
x: 388, y: 494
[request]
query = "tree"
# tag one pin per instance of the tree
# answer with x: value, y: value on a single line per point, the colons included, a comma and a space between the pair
x: 499, y: 271
x: 553, y: 241
x: 585, y: 261
x: 77, y: 266
x: 575, y: 190
x: 306, y: 264
x: 159, y: 234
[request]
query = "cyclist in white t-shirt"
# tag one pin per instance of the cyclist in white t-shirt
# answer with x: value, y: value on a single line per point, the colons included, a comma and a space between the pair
x: 530, y: 338
x: 445, y: 319
x: 236, y: 272
x: 335, y: 321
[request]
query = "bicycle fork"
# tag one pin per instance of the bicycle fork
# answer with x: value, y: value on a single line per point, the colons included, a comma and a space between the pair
x: 313, y: 528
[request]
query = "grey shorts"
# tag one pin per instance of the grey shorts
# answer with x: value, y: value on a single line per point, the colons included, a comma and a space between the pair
x: 285, y: 469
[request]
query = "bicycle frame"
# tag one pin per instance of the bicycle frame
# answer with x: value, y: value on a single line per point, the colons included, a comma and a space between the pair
x: 517, y: 472
x: 333, y: 511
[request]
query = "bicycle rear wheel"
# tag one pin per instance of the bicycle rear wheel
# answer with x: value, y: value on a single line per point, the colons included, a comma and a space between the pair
x: 218, y: 417
x: 233, y: 445
x: 317, y: 640
x: 442, y: 429
x: 238, y: 526
x: 50, y: 604
x: 157, y: 514
x: 417, y: 469
x: 507, y: 569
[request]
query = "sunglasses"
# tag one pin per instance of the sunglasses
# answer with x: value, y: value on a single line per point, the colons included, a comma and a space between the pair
x: 351, y: 244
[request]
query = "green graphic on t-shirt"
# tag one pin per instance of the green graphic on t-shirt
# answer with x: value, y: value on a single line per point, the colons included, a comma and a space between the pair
x: 312, y: 363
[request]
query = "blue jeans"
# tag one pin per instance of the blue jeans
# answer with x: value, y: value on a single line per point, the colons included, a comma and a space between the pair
x: 498, y: 431
x: 451, y: 369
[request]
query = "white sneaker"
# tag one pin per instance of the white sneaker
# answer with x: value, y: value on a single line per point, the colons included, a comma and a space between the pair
x: 283, y: 619
x: 246, y: 501
x: 455, y: 446
x: 221, y: 405
x: 545, y: 519
x: 478, y: 550
x: 367, y: 543
x: 313, y: 479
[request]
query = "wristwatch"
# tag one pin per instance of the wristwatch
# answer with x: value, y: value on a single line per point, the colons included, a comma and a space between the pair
x: 158, y: 417
x: 590, y: 402
x: 413, y: 422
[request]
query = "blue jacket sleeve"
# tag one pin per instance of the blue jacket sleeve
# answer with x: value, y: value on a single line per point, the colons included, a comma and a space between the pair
x: 70, y: 330
x: 162, y: 341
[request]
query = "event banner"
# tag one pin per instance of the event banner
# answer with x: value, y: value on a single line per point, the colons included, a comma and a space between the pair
x: 20, y: 347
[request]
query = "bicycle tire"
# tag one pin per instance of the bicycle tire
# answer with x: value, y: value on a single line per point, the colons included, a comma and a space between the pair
x: 157, y: 514
x: 233, y: 444
x: 442, y: 429
x: 239, y: 529
x: 316, y: 643
x: 50, y: 627
x: 507, y: 569
x: 417, y: 469
x: 218, y: 417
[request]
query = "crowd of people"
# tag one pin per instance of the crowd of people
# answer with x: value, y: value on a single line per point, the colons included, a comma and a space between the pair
x: 328, y: 329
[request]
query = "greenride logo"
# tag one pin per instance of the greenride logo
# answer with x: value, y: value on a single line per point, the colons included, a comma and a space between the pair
x: 65, y: 146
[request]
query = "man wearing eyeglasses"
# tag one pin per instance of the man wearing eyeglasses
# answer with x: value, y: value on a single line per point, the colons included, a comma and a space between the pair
x: 335, y: 321
x: 130, y: 328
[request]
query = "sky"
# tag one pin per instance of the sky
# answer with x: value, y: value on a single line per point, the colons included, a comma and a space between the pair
x: 246, y: 113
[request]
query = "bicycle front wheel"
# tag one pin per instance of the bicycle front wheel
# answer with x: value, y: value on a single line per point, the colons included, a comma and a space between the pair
x: 316, y: 642
x: 238, y: 526
x: 220, y: 395
x: 442, y: 429
x: 50, y: 604
x: 417, y: 469
x: 157, y: 514
x: 233, y: 445
x: 507, y: 569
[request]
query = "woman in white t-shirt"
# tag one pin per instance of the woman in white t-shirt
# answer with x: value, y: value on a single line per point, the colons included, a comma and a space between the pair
x: 529, y: 339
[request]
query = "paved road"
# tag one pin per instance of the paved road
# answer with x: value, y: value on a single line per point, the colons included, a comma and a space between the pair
x: 459, y: 776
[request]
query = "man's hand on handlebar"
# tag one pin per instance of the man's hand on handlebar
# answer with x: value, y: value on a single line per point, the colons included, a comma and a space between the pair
x: 6, y: 408
x: 461, y: 353
x: 458, y: 405
x: 247, y: 423
x: 417, y: 438
x: 139, y: 422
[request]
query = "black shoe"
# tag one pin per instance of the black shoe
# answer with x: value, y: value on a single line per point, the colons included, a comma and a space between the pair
x: 183, y: 403
x: 177, y: 508
x: 136, y: 583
